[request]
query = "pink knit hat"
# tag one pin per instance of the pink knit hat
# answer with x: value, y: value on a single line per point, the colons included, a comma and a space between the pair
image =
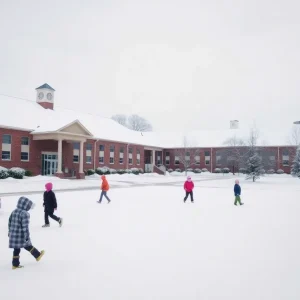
x: 237, y: 181
x: 48, y: 186
x: 189, y: 178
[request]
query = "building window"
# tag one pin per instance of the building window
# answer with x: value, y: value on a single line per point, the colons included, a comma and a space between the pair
x: 5, y: 155
x: 101, y: 154
x: 112, y: 154
x: 89, y: 147
x: 130, y: 156
x: 24, y: 148
x: 158, y: 158
x: 176, y: 160
x: 76, y: 146
x: 188, y: 157
x: 121, y: 155
x: 218, y: 159
x: 207, y: 158
x: 138, y: 156
x: 76, y: 158
x: 285, y: 158
x: 6, y: 139
x: 25, y: 141
x: 197, y: 159
x: 24, y: 156
x: 167, y: 158
x: 88, y: 153
x: 6, y: 147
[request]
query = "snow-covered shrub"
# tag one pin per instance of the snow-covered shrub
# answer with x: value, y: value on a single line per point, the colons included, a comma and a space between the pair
x: 271, y: 171
x: 225, y: 170
x: 263, y: 171
x: 178, y: 170
x: 135, y: 171
x: 217, y: 170
x: 112, y: 171
x: 204, y: 170
x: 243, y: 170
x: 17, y: 173
x: 170, y: 170
x: 141, y: 171
x: 3, y: 173
x: 103, y: 171
x: 121, y: 171
x: 28, y: 173
x: 198, y: 171
x: 128, y: 171
x: 90, y: 172
x: 280, y: 171
x: 190, y: 170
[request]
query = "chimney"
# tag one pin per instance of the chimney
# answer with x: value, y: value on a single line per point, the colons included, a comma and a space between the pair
x: 234, y: 124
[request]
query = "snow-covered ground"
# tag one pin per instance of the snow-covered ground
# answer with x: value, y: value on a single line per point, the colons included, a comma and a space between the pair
x: 37, y: 183
x: 147, y: 244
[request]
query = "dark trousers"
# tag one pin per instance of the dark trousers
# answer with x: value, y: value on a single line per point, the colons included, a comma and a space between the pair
x: 191, y: 195
x: 16, y: 258
x: 51, y: 215
x: 104, y: 193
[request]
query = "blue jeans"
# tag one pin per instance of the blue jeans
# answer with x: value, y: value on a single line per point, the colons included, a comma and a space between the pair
x: 104, y: 193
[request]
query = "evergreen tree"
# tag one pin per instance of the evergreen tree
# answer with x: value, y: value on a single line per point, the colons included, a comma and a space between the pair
x: 295, y: 171
x: 254, y: 166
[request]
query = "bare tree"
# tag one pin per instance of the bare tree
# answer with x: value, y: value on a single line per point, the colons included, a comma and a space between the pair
x: 235, y: 153
x: 187, y: 156
x: 137, y: 123
x: 121, y: 119
x: 294, y: 140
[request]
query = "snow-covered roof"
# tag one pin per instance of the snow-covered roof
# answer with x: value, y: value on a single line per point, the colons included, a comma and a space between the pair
x: 30, y: 116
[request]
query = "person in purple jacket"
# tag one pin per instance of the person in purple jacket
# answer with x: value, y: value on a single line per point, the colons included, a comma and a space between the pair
x: 237, y: 193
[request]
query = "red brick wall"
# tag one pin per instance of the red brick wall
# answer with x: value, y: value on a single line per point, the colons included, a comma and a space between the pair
x: 46, y: 105
x: 36, y: 148
x: 116, y: 165
x: 212, y: 166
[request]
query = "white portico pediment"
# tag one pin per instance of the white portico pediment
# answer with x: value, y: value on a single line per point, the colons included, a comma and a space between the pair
x: 72, y: 131
x: 75, y: 127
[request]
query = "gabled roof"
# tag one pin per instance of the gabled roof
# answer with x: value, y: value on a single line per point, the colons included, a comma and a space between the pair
x: 45, y: 86
x: 30, y: 116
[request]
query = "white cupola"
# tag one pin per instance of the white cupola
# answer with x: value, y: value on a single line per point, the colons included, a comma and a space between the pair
x: 45, y: 96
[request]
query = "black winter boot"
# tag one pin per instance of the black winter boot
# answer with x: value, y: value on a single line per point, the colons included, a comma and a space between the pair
x: 16, y: 263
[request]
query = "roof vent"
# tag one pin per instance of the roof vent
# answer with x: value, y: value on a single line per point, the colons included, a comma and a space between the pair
x: 234, y: 124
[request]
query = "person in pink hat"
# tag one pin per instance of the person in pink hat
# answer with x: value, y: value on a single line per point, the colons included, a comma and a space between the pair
x: 188, y: 187
x: 50, y: 205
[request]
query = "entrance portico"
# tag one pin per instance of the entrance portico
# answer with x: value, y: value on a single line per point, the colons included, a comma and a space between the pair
x: 74, y: 132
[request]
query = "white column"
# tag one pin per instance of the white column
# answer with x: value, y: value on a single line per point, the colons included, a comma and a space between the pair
x: 81, y: 157
x: 59, y: 157
x: 153, y: 157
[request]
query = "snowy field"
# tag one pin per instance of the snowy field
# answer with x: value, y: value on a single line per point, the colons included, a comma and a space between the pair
x: 147, y: 244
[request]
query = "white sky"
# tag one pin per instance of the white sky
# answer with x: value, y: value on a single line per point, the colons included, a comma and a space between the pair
x: 181, y: 64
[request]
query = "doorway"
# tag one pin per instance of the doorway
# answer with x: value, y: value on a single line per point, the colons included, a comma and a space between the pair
x: 49, y: 163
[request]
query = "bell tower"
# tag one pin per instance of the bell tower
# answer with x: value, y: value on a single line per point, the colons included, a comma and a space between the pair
x: 45, y: 96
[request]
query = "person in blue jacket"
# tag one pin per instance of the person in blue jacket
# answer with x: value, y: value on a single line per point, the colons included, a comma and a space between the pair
x: 237, y: 193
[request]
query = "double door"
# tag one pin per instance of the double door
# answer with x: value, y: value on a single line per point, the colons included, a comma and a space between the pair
x: 49, y: 164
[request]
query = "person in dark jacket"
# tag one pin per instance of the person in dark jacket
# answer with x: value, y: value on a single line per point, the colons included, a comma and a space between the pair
x: 50, y: 205
x: 237, y: 193
x: 18, y: 232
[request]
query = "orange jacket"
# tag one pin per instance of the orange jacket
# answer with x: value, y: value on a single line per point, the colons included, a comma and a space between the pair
x: 104, y: 185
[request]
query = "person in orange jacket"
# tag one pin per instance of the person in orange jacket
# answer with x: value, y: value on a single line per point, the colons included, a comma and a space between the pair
x: 104, y: 189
